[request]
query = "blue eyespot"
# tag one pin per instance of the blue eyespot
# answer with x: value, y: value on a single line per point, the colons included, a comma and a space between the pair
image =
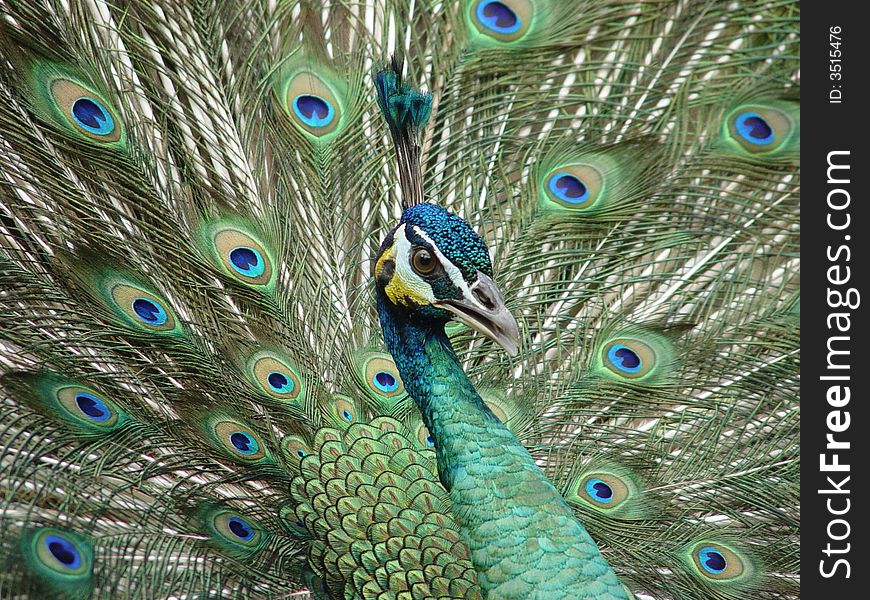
x: 64, y: 551
x: 568, y: 188
x: 149, y: 311
x: 498, y: 17
x: 92, y: 407
x: 385, y: 382
x: 244, y: 443
x: 429, y: 441
x: 598, y: 490
x: 347, y: 415
x: 301, y: 453
x: 92, y: 116
x: 280, y: 383
x: 313, y: 110
x: 240, y: 528
x: 712, y: 560
x: 247, y: 261
x: 624, y: 358
x: 754, y: 129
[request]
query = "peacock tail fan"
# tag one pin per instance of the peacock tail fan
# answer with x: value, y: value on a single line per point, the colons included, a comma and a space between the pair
x: 197, y: 401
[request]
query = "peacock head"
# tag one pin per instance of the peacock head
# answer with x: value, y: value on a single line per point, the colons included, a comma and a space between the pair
x: 432, y: 266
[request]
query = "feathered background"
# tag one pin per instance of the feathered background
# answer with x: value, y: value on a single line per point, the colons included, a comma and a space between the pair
x: 195, y: 138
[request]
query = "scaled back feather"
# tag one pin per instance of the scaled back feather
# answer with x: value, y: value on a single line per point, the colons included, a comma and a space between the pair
x: 201, y: 205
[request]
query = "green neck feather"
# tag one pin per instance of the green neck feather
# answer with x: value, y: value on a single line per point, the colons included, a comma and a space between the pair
x: 525, y: 541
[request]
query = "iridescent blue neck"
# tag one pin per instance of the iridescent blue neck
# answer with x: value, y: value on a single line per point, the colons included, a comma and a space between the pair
x: 433, y: 377
x: 507, y: 511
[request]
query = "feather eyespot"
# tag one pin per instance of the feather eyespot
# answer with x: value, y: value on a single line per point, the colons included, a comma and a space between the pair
x: 92, y: 407
x: 82, y: 408
x: 385, y: 381
x: 241, y: 442
x: 312, y: 104
x: 275, y: 378
x: 293, y: 523
x: 238, y: 527
x: 568, y: 188
x: 87, y: 407
x: 92, y: 116
x: 143, y: 308
x: 242, y: 256
x: 343, y: 408
x: 598, y: 490
x: 498, y: 17
x: 762, y: 129
x: 280, y: 383
x: 718, y: 562
x: 247, y: 261
x: 149, y: 311
x: 61, y: 552
x: 605, y: 490
x: 624, y: 358
x: 425, y: 438
x: 632, y: 359
x: 574, y: 186
x: 502, y: 20
x: 753, y: 128
x: 314, y: 111
x: 295, y: 449
x: 382, y: 376
x: 235, y: 532
x: 712, y: 560
x: 244, y: 443
x: 85, y: 111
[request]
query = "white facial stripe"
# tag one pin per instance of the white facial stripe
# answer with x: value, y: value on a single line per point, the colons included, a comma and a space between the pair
x: 402, y: 248
x: 452, y: 270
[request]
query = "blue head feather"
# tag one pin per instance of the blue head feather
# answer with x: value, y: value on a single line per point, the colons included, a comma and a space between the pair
x: 454, y: 237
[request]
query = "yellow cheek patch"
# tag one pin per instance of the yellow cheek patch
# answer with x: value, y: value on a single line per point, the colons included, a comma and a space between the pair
x: 400, y: 290
x: 399, y: 293
x: 389, y: 254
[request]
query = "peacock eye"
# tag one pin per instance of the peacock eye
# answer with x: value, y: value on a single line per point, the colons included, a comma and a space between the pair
x: 85, y: 111
x: 314, y: 111
x: 235, y: 532
x: 240, y: 528
x: 241, y: 442
x: 143, y: 308
x: 716, y: 561
x: 63, y: 553
x: 423, y: 261
x: 759, y: 128
x: 502, y: 20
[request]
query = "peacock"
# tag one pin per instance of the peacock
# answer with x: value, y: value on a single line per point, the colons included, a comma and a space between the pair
x: 399, y: 299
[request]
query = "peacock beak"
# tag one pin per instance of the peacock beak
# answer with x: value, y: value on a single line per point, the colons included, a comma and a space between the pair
x: 486, y: 313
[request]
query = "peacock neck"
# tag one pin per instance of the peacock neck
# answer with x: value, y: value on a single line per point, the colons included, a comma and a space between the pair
x: 525, y: 541
x: 437, y: 383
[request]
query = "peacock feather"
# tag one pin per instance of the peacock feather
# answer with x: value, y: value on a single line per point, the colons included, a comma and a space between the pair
x: 511, y: 314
